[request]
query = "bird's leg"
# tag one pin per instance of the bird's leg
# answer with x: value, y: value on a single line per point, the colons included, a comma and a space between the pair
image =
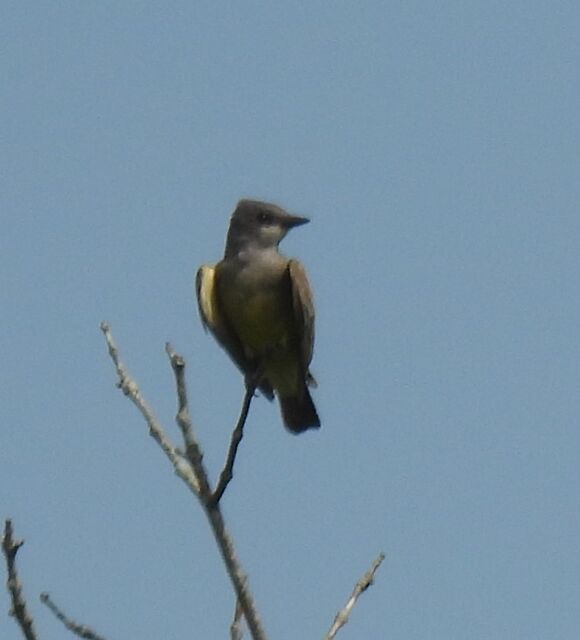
x: 253, y: 379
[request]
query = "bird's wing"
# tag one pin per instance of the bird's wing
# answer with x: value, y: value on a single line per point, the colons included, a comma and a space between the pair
x: 213, y: 319
x: 303, y: 306
x: 212, y: 316
x: 204, y: 291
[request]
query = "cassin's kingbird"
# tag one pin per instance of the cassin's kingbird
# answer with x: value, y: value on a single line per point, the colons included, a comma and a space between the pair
x: 258, y: 305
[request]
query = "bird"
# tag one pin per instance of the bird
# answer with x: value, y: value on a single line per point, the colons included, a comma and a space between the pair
x: 258, y: 305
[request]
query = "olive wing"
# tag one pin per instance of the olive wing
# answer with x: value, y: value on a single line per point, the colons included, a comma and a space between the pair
x: 303, y: 307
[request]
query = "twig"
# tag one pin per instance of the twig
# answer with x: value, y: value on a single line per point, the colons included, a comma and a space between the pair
x: 192, y: 471
x: 236, y: 632
x: 362, y: 585
x: 19, y: 610
x: 129, y: 387
x: 237, y: 434
x: 80, y: 630
x: 193, y: 449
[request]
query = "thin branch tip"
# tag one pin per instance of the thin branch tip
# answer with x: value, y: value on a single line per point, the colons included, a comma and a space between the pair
x: 360, y: 587
x: 175, y: 358
x: 80, y: 630
x: 19, y: 608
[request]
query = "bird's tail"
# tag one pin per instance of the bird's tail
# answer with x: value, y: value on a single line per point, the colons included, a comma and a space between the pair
x: 299, y: 412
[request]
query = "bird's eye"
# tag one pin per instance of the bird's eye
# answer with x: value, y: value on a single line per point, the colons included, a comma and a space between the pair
x: 264, y: 217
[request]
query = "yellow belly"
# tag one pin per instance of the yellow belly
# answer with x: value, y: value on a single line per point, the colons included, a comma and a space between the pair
x: 265, y: 325
x: 262, y: 322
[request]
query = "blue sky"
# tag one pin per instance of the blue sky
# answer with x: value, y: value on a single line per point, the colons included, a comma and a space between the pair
x: 435, y: 147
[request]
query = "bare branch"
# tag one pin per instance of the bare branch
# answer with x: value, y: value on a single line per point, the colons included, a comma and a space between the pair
x: 211, y: 508
x: 80, y: 630
x: 19, y: 609
x: 362, y: 585
x: 191, y: 466
x: 237, y: 434
x: 236, y: 632
x: 193, y: 449
x: 129, y: 387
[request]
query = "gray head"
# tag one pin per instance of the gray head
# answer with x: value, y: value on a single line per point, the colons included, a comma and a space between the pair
x: 259, y: 225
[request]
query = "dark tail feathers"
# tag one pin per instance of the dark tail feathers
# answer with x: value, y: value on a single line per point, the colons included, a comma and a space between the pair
x: 299, y: 413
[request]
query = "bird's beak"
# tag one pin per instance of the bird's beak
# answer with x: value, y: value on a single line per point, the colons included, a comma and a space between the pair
x: 290, y: 221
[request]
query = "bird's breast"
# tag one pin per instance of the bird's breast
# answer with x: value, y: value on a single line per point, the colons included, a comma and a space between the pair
x: 256, y: 301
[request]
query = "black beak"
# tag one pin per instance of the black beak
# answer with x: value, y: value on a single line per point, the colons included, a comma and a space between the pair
x: 290, y: 221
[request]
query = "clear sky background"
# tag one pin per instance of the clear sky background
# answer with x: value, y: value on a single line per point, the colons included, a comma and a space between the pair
x: 435, y: 147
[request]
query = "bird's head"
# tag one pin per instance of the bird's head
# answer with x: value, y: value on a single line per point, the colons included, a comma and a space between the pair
x: 259, y: 224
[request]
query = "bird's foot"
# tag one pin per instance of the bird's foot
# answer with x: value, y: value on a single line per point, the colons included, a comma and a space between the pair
x: 253, y: 379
